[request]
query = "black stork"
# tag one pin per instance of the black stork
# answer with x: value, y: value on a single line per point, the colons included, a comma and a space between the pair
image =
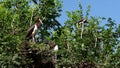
x: 32, y: 31
x: 83, y: 20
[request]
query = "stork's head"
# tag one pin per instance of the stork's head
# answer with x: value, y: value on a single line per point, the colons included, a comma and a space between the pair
x: 39, y: 22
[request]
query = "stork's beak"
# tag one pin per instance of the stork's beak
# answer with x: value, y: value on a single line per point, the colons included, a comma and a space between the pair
x: 40, y: 21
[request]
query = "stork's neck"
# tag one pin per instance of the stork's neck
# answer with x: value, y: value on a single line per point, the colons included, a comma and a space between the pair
x: 39, y: 22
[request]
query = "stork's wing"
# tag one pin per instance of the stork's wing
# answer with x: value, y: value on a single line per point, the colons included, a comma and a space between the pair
x: 29, y: 31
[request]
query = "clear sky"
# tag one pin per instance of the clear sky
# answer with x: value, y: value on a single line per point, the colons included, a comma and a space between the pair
x: 103, y: 8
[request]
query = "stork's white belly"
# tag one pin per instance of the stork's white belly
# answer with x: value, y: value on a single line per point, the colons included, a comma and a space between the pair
x: 55, y: 48
x: 35, y: 30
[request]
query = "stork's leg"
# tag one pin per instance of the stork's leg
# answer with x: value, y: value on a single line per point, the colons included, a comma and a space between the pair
x: 33, y: 39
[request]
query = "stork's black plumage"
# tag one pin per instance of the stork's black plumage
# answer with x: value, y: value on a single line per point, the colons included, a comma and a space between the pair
x: 83, y: 20
x: 29, y: 32
x: 32, y: 31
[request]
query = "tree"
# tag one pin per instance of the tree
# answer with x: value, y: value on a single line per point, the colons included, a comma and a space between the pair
x: 15, y: 17
x: 97, y: 47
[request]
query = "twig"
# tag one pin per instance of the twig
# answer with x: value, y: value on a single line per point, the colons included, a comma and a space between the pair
x: 96, y: 39
x: 31, y: 18
x: 82, y: 29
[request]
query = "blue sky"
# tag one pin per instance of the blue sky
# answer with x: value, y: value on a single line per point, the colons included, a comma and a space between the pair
x: 103, y: 8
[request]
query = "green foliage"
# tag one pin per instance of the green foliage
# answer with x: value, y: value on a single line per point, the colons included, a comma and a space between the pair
x: 15, y: 18
x: 99, y: 44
